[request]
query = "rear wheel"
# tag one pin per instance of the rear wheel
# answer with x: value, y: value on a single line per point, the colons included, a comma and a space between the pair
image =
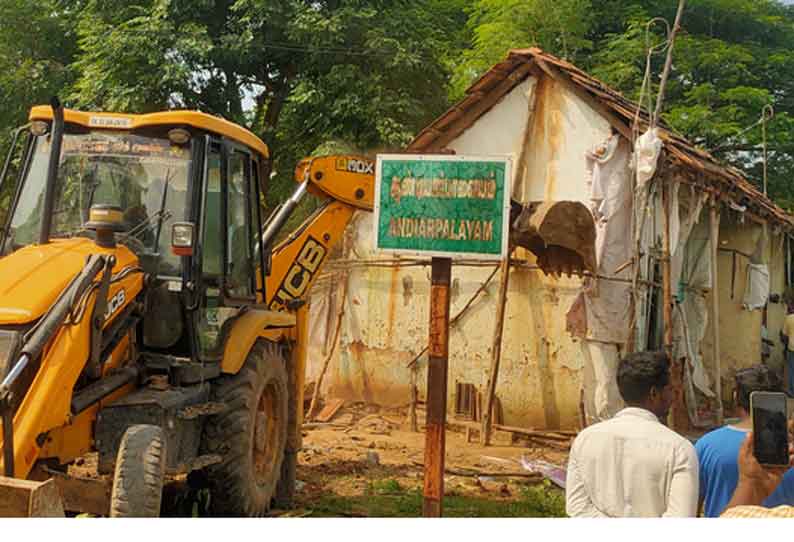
x: 140, y: 470
x: 250, y: 435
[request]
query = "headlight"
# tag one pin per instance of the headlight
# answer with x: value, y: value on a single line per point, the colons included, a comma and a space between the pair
x: 9, y: 343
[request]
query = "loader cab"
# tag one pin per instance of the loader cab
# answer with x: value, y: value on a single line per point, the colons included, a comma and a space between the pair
x: 188, y: 186
x: 228, y: 260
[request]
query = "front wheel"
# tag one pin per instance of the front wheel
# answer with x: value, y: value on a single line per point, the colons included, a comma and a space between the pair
x: 140, y: 471
x: 250, y: 436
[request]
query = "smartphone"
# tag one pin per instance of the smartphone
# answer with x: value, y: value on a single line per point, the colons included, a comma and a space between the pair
x: 770, y: 431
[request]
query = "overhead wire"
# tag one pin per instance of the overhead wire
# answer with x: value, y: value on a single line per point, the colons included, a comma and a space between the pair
x: 651, y: 50
x: 767, y: 113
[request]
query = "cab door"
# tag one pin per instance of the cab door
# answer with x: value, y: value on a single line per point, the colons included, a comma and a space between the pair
x: 229, y: 236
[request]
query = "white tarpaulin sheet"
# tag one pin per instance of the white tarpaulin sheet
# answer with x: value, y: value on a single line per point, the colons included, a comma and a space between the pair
x: 757, y: 291
x: 690, y: 274
x: 602, y: 397
x: 692, y: 311
x: 648, y: 147
x: 608, y: 302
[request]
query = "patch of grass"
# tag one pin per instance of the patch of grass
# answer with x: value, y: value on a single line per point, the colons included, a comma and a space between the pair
x: 387, y: 499
x: 546, y: 498
x: 389, y: 486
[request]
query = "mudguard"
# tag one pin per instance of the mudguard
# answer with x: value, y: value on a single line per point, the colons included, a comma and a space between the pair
x: 248, y: 327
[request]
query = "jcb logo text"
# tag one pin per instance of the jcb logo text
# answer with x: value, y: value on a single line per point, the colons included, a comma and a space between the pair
x: 300, y: 275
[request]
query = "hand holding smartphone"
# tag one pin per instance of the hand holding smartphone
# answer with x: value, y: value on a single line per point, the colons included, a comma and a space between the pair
x: 770, y: 428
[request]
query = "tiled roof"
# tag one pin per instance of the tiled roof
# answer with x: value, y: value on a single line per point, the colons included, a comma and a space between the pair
x: 700, y: 167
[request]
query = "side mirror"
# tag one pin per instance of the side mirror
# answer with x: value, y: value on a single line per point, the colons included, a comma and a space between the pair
x: 182, y: 238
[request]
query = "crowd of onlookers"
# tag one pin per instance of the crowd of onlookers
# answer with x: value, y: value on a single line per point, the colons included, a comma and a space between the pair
x: 633, y: 465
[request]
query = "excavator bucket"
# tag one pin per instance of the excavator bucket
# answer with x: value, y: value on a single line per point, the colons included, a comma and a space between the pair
x: 560, y: 233
x: 26, y: 498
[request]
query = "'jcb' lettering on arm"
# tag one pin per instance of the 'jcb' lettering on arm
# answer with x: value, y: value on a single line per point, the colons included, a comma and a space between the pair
x: 300, y: 274
x: 311, y: 255
x: 297, y: 280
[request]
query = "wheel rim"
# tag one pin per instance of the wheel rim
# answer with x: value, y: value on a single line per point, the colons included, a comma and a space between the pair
x: 266, y: 441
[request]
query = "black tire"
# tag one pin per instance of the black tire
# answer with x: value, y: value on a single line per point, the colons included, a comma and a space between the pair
x: 284, y: 498
x: 244, y: 482
x: 140, y: 471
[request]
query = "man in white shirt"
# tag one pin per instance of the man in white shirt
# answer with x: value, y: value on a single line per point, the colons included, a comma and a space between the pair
x: 632, y: 465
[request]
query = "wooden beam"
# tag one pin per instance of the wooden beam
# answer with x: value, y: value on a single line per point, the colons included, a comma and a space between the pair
x: 27, y: 498
x: 89, y: 495
x: 715, y: 304
x: 560, y: 435
x: 679, y: 418
x: 521, y: 164
x: 565, y: 80
x: 437, y: 369
x: 496, y: 352
x: 339, y: 315
x: 329, y: 411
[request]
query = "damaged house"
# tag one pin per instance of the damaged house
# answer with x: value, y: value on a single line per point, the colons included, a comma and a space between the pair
x: 571, y: 139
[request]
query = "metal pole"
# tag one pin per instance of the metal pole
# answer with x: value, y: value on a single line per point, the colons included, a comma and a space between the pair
x: 667, y: 63
x: 485, y: 433
x: 437, y: 364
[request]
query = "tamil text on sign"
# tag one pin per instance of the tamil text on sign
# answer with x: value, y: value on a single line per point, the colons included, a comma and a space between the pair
x: 442, y: 206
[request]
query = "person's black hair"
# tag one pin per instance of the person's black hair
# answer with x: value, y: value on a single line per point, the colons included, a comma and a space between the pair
x: 639, y: 372
x: 755, y: 378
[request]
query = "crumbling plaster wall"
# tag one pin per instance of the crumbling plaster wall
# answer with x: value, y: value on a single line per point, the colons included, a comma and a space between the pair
x: 386, y: 316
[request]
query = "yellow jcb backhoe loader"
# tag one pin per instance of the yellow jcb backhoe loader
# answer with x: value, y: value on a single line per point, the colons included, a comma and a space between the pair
x: 147, y: 314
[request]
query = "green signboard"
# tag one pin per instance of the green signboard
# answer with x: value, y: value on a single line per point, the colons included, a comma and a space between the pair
x: 445, y: 206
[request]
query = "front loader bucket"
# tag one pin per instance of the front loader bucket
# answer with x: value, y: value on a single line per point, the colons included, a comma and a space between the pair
x: 26, y: 498
x: 560, y: 233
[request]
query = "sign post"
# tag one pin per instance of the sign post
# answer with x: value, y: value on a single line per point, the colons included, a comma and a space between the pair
x: 444, y: 207
x: 437, y: 366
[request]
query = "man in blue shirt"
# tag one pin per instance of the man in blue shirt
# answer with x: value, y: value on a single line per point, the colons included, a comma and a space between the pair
x: 718, y: 450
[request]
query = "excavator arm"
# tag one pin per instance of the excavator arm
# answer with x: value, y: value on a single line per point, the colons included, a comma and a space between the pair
x: 560, y: 234
x: 348, y: 183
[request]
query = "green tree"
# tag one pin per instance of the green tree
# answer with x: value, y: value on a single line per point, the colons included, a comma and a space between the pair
x: 295, y: 72
x: 558, y: 26
x: 37, y: 47
x: 731, y: 58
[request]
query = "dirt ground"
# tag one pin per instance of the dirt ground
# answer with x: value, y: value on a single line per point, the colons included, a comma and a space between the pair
x: 367, y: 455
x: 367, y: 463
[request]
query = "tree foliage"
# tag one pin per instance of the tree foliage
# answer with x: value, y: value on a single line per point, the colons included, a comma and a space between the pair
x: 731, y: 58
x: 370, y: 74
x: 295, y: 72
